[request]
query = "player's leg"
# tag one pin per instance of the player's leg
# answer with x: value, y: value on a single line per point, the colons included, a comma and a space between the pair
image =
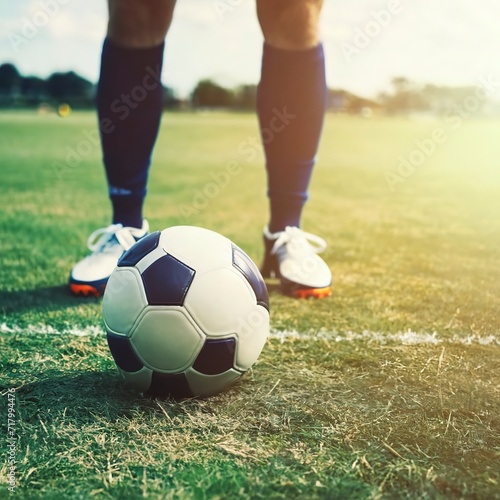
x: 129, y: 105
x: 129, y: 97
x: 291, y: 107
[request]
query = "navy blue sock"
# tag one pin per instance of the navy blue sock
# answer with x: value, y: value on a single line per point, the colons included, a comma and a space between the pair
x: 129, y: 105
x: 291, y: 106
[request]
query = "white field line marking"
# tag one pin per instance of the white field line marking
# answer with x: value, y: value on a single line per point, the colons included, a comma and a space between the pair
x: 43, y: 329
x: 408, y: 337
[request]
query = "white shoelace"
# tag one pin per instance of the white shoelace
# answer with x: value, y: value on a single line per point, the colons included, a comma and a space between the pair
x: 102, y: 237
x: 298, y: 239
x: 107, y: 237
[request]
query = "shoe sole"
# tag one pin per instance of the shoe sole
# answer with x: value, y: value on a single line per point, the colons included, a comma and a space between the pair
x: 269, y: 270
x: 85, y: 290
x: 312, y: 293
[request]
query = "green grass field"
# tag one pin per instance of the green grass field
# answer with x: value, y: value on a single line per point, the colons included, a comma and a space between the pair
x: 388, y: 389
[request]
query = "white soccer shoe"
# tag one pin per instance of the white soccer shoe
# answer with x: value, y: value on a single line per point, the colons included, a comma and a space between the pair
x: 291, y: 256
x: 91, y: 274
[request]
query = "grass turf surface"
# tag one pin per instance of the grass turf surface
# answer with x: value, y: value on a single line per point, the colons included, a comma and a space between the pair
x: 316, y: 417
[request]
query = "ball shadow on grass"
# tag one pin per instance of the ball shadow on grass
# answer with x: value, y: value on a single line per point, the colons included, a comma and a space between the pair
x: 87, y: 397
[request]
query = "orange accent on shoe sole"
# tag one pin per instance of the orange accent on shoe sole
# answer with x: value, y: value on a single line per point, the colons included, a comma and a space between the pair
x: 85, y: 290
x: 316, y: 293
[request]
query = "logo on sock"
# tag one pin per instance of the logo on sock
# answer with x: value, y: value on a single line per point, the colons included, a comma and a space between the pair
x: 118, y: 191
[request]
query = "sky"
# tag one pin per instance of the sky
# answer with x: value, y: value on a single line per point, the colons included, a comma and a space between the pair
x: 367, y: 42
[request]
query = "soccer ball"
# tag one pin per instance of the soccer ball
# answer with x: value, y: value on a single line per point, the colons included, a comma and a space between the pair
x: 186, y: 313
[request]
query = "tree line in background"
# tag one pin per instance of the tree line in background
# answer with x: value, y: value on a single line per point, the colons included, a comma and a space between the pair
x: 405, y: 97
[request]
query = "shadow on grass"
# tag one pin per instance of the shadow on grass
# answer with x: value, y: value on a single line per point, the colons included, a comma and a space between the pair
x: 43, y: 299
x: 86, y: 397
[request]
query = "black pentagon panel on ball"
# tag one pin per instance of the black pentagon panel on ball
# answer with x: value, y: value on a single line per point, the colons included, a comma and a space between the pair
x: 123, y: 353
x: 136, y: 252
x: 169, y: 385
x: 216, y: 356
x: 247, y: 267
x: 167, y: 281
